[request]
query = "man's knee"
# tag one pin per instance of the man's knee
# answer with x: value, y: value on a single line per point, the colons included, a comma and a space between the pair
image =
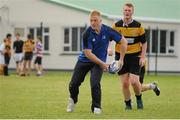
x: 125, y: 85
x: 95, y: 86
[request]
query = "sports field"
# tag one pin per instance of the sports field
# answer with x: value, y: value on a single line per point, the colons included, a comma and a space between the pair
x: 46, y: 97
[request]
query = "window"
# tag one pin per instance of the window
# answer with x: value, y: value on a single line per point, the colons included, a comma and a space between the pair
x: 147, y: 31
x: 154, y: 41
x: 44, y: 32
x: 163, y: 41
x: 72, y: 39
x: 160, y: 41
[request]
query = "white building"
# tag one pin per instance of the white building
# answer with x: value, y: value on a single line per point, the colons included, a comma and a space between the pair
x: 63, y: 21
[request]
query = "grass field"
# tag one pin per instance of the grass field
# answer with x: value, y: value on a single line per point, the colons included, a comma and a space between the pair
x: 46, y: 97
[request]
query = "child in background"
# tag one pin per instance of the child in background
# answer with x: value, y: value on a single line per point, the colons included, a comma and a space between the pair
x: 39, y: 55
x: 2, y: 61
x: 28, y: 48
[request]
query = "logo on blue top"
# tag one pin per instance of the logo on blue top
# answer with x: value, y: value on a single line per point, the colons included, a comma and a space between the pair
x: 103, y: 37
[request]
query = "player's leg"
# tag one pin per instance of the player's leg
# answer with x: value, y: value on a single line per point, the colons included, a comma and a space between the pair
x: 17, y: 68
x: 126, y: 91
x: 36, y: 65
x: 141, y: 74
x: 7, y: 60
x: 124, y: 76
x: 30, y: 56
x: 29, y: 67
x: 134, y: 79
x: 80, y: 71
x: 24, y: 70
x: 96, y: 75
x: 39, y: 66
x: 17, y: 60
x: 21, y: 63
x: 145, y: 87
x: 151, y: 86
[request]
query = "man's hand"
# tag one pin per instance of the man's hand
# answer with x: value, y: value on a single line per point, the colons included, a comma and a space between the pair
x: 142, y: 61
x: 105, y: 66
x: 95, y: 59
x: 120, y: 63
x: 110, y: 52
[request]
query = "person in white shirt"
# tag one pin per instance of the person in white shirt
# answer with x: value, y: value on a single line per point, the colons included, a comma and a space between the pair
x: 2, y: 62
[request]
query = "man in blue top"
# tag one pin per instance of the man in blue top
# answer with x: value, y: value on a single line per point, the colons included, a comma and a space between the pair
x: 96, y: 39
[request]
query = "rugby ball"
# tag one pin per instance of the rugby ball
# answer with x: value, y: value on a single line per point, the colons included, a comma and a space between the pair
x: 114, y: 67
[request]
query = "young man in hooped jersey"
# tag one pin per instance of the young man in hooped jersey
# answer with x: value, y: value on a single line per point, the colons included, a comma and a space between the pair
x: 134, y: 60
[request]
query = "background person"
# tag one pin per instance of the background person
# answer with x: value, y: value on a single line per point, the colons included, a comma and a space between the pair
x: 39, y: 55
x: 18, y: 53
x: 7, y: 54
x: 2, y: 60
x: 28, y: 48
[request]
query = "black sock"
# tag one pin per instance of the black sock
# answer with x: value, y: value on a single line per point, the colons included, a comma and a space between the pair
x: 128, y: 103
x: 5, y: 70
x: 138, y: 97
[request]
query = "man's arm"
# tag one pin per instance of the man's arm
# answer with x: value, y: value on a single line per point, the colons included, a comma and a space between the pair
x: 143, y: 54
x: 122, y: 51
x: 94, y: 59
x: 110, y: 51
x: 123, y: 48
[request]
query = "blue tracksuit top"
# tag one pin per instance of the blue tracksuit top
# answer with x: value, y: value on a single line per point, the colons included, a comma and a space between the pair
x: 98, y: 43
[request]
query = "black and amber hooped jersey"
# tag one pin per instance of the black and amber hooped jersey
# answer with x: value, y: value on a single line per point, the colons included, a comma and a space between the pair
x: 134, y: 34
x: 28, y: 46
x: 7, y: 44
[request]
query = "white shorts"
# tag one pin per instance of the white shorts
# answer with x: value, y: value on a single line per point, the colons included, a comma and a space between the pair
x: 18, y: 57
x: 2, y: 59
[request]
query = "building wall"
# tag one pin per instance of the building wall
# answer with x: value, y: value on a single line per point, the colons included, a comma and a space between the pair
x: 169, y: 62
x: 29, y: 13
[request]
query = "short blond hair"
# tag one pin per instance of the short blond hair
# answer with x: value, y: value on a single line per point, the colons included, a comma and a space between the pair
x: 95, y: 13
x: 129, y: 5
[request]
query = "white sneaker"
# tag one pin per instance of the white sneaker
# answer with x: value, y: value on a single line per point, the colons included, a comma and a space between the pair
x: 71, y: 105
x: 97, y: 111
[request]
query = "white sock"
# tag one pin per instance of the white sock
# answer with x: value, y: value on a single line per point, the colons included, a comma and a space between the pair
x: 152, y: 86
x: 39, y: 72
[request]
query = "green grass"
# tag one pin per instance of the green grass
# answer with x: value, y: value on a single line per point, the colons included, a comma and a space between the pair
x: 46, y: 97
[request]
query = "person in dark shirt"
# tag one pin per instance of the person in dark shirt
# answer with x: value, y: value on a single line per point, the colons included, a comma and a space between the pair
x: 18, y: 53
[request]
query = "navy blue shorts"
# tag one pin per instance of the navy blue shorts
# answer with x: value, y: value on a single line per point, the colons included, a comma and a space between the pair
x: 38, y: 60
x: 28, y: 56
x: 131, y: 64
